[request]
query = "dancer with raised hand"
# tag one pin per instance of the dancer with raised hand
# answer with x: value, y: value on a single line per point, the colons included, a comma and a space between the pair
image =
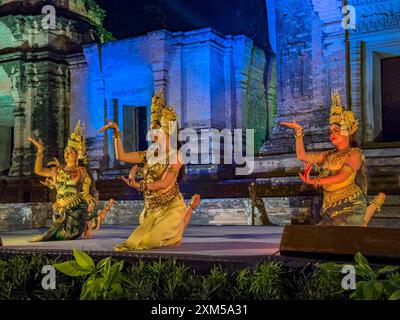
x: 165, y: 214
x: 73, y: 210
x: 342, y: 173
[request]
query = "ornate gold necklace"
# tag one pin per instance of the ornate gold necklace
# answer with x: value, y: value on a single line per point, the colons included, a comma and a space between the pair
x: 338, y: 156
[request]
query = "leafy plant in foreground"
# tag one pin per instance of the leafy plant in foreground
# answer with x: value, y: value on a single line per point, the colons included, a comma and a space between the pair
x: 381, y: 284
x: 104, y: 280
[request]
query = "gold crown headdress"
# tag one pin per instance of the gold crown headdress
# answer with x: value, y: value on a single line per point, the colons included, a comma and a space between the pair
x: 345, y: 119
x: 165, y: 116
x: 77, y: 141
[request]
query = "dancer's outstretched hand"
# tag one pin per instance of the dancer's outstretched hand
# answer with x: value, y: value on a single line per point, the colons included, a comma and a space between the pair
x: 292, y: 125
x: 91, y: 207
x: 306, y: 176
x: 130, y: 181
x: 55, y: 163
x: 132, y: 173
x: 38, y: 143
x: 110, y: 125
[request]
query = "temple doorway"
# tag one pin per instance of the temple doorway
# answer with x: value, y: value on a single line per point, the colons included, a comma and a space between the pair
x: 6, y: 149
x: 390, y: 68
x: 134, y: 128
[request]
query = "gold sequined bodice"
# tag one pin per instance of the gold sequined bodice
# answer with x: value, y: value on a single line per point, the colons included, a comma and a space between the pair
x: 154, y: 170
x: 333, y: 162
x: 68, y: 182
x: 72, y: 187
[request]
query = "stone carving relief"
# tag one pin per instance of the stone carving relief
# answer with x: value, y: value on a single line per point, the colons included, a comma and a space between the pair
x: 378, y: 15
x: 18, y: 83
x: 296, y: 73
x: 301, y: 76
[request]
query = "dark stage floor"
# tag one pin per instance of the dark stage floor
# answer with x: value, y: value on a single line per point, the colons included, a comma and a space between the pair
x: 217, y: 241
x: 232, y: 246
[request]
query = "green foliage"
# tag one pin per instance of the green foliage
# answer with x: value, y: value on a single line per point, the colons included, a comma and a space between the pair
x: 381, y: 284
x: 159, y: 280
x: 268, y: 281
x: 104, y: 280
x: 20, y: 279
x: 318, y: 285
x: 244, y: 280
x: 215, y: 285
x: 82, y: 278
x: 171, y: 280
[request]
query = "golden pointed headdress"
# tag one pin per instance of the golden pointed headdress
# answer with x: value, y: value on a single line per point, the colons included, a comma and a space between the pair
x: 345, y: 119
x: 77, y: 141
x: 165, y: 116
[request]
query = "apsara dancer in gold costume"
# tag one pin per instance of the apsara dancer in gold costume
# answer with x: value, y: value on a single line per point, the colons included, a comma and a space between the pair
x: 342, y: 173
x: 73, y: 210
x: 165, y: 215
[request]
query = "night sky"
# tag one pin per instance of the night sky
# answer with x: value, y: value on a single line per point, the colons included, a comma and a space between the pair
x: 127, y: 18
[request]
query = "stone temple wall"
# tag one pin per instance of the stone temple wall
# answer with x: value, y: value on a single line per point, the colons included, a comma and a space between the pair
x: 281, y: 211
x: 34, y: 75
x: 6, y: 121
x: 311, y: 63
x: 315, y: 54
x: 211, y: 212
x: 213, y: 81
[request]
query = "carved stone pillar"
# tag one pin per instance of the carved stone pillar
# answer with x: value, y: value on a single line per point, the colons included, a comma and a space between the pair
x: 111, y: 105
x: 18, y: 91
x: 31, y: 92
x: 61, y: 89
x: 356, y: 90
x: 159, y: 43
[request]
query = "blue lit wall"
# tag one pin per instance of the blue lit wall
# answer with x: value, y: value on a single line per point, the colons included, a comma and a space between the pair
x: 212, y: 80
x: 118, y: 70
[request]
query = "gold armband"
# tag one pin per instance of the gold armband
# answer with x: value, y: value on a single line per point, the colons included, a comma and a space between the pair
x: 318, y: 183
x: 316, y: 158
x: 39, y: 153
x: 142, y: 186
x: 377, y: 205
x: 172, y: 170
x: 117, y: 135
x: 299, y: 134
x: 348, y: 169
x: 142, y: 155
x: 88, y: 198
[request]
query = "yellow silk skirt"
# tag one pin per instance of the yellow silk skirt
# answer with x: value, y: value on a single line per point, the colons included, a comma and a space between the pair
x: 159, y: 227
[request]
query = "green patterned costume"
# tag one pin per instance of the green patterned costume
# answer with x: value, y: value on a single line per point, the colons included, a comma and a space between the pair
x: 70, y: 211
x: 345, y: 203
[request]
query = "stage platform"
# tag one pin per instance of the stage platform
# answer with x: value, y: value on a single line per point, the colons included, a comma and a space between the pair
x: 233, y: 247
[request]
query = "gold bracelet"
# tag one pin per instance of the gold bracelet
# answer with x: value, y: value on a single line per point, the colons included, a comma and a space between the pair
x: 117, y: 135
x: 377, y: 205
x: 318, y: 183
x: 142, y: 186
x: 297, y: 135
x: 39, y: 153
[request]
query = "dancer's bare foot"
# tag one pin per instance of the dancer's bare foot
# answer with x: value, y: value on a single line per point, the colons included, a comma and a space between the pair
x: 176, y: 244
x: 380, y: 200
x: 103, y: 213
x: 195, y: 201
x: 88, y: 234
x: 375, y: 205
x: 36, y: 239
